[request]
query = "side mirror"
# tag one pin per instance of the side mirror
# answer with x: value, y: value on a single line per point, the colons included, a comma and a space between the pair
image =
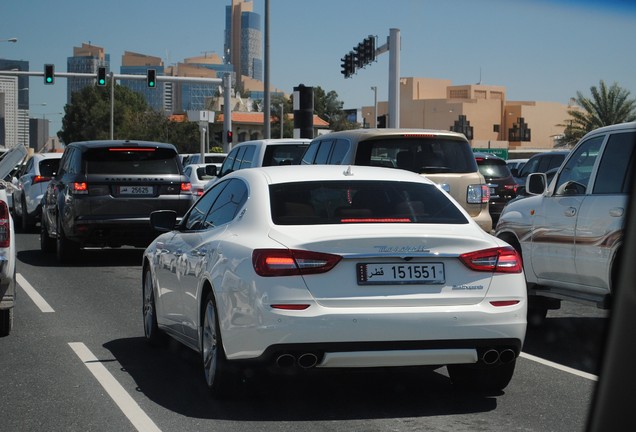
x: 163, y: 220
x: 536, y: 183
x: 514, y: 172
x: 210, y: 170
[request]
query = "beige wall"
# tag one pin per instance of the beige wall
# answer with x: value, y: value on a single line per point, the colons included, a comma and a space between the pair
x: 435, y: 104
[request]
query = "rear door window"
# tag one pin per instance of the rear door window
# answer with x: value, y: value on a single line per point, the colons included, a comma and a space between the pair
x: 617, y: 165
x: 283, y: 154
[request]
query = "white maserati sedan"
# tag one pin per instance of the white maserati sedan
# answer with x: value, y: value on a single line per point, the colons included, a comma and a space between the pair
x: 318, y: 266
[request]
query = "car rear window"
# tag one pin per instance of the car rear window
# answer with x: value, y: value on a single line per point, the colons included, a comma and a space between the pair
x: 142, y: 160
x: 48, y: 167
x: 288, y: 154
x: 344, y: 202
x: 493, y: 168
x: 422, y: 155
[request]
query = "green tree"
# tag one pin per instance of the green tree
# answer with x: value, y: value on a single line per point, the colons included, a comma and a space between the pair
x: 607, y: 106
x: 327, y: 106
x: 275, y: 111
x: 87, y: 117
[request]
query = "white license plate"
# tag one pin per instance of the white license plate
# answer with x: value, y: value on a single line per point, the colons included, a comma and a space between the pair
x: 136, y: 190
x: 408, y: 273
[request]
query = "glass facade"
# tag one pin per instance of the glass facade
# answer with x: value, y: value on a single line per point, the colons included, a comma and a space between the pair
x: 251, y: 45
x: 154, y: 96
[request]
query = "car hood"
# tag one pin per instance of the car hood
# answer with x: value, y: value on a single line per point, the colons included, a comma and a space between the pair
x: 11, y: 158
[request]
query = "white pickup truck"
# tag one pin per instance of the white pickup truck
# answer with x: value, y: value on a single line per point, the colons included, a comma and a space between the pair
x: 570, y: 232
x: 7, y: 241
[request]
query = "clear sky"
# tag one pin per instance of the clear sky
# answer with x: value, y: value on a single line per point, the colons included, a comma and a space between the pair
x: 543, y: 50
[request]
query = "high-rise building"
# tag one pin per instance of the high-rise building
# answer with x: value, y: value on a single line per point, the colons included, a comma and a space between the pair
x: 138, y: 64
x: 243, y: 40
x: 14, y: 105
x: 86, y: 59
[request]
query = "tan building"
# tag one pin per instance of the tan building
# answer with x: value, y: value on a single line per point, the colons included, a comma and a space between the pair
x: 481, y: 112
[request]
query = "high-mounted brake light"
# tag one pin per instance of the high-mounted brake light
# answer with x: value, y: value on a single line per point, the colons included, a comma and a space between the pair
x: 375, y: 220
x: 498, y: 260
x: 419, y: 135
x: 132, y: 149
x: 292, y: 262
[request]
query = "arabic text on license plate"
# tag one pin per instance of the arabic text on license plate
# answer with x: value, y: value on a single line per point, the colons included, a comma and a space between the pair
x: 135, y: 190
x: 411, y: 273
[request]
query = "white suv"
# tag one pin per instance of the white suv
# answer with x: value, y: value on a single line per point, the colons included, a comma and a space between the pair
x: 32, y: 181
x: 570, y: 232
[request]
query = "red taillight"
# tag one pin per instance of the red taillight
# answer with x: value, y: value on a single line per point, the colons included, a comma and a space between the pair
x: 5, y: 227
x: 292, y: 262
x: 186, y: 187
x: 79, y: 188
x: 485, y: 194
x: 40, y: 179
x: 499, y: 260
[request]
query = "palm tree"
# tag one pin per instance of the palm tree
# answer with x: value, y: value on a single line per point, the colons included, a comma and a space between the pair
x: 607, y: 106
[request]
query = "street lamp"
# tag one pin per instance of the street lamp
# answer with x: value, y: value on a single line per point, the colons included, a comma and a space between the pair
x: 375, y: 106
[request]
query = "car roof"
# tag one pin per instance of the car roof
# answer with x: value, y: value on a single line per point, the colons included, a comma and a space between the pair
x: 277, y: 141
x: 301, y: 173
x: 121, y: 143
x: 367, y: 133
x: 484, y: 155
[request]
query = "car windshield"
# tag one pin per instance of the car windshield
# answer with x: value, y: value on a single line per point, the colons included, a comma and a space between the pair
x: 338, y: 202
x: 418, y: 154
x: 143, y: 160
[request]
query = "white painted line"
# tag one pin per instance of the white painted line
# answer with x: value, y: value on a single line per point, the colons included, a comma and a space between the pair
x: 31, y: 292
x: 560, y: 367
x: 124, y: 401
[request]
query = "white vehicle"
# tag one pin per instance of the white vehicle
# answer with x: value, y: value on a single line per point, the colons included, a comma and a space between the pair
x: 7, y: 243
x: 570, y: 232
x: 32, y: 181
x: 301, y: 267
x: 265, y: 152
x: 200, y: 175
x: 213, y: 158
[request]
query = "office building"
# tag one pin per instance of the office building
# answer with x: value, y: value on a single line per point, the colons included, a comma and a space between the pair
x: 86, y: 59
x: 14, y: 108
x: 138, y: 64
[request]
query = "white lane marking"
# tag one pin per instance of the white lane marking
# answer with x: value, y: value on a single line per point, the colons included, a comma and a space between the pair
x: 124, y: 401
x: 31, y: 292
x: 560, y: 367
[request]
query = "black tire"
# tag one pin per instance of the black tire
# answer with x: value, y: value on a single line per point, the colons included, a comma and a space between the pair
x: 220, y: 378
x: 536, y: 316
x: 65, y: 248
x: 482, y: 379
x: 151, y: 330
x: 6, y: 321
x: 47, y: 244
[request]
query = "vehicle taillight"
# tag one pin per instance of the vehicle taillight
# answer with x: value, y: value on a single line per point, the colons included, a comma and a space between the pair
x: 477, y: 194
x: 40, y: 179
x: 79, y: 188
x: 5, y: 227
x: 292, y: 262
x: 186, y: 187
x: 499, y: 260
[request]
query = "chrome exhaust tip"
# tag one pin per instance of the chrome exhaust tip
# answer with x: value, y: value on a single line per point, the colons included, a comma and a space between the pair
x: 307, y: 360
x: 507, y: 356
x: 285, y: 361
x: 490, y: 357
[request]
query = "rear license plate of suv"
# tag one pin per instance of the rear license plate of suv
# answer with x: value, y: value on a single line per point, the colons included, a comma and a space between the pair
x: 384, y: 273
x: 136, y: 190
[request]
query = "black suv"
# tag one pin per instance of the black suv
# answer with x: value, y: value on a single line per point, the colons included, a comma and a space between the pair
x: 500, y: 181
x: 104, y: 192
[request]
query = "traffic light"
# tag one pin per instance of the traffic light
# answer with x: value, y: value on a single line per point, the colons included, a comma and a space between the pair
x: 101, y: 76
x: 359, y: 59
x: 369, y: 49
x: 49, y: 74
x: 151, y: 78
x: 348, y: 65
x: 229, y: 136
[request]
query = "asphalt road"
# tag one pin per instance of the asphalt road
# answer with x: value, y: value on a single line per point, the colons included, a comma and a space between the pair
x: 77, y: 361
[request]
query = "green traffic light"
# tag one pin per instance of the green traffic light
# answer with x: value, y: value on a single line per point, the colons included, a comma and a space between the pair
x: 151, y: 83
x: 49, y: 79
x: 102, y: 81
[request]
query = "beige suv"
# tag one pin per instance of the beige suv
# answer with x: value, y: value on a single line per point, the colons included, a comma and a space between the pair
x: 442, y: 156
